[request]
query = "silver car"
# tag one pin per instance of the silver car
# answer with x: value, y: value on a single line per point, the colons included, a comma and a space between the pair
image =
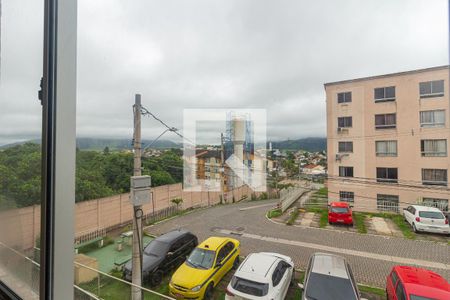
x: 329, y: 277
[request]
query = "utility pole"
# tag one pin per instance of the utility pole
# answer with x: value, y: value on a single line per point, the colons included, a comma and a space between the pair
x: 222, y: 179
x: 136, y: 293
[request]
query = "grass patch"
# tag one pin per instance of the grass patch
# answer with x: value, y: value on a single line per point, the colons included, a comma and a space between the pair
x: 323, y: 191
x: 399, y: 221
x: 293, y: 216
x: 323, y: 215
x: 372, y: 290
x: 274, y: 213
x: 359, y: 220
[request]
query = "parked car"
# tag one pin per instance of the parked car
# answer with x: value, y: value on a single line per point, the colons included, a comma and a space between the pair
x: 410, y: 283
x: 340, y: 212
x: 329, y: 277
x: 204, y: 268
x: 163, y: 254
x: 262, y: 275
x: 426, y: 219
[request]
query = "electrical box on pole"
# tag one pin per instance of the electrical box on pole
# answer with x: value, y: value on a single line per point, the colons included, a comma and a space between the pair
x: 140, y: 190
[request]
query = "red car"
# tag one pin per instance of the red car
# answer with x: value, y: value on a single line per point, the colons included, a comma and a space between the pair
x: 410, y: 283
x: 340, y: 212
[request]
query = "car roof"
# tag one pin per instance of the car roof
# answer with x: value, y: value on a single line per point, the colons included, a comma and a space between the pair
x: 329, y: 264
x: 415, y: 279
x: 172, y: 235
x: 214, y: 242
x: 426, y: 208
x: 257, y: 265
x: 339, y: 204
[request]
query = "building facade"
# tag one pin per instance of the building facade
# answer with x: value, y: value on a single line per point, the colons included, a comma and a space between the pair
x: 387, y: 140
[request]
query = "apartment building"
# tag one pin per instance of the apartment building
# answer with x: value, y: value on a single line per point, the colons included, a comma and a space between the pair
x: 387, y: 140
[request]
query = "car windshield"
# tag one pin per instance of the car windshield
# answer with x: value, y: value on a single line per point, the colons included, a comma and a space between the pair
x: 414, y: 297
x: 325, y: 287
x: 249, y: 287
x: 156, y: 248
x: 339, y: 210
x: 201, y: 258
x: 431, y: 214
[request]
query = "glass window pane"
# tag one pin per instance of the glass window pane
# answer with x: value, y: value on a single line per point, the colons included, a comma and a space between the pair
x: 21, y: 48
x: 390, y: 92
x: 425, y: 88
x: 379, y: 93
x: 437, y: 87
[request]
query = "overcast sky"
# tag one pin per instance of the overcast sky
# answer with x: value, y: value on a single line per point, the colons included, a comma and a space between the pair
x: 274, y: 55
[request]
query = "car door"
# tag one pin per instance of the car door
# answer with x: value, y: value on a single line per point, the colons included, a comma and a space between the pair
x: 408, y: 215
x: 278, y: 276
x: 400, y: 291
x: 285, y: 279
x: 173, y: 254
x: 223, y: 261
x: 391, y: 283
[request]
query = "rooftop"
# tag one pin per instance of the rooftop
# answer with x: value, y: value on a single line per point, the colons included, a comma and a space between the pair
x: 329, y: 264
x: 387, y: 75
x: 258, y: 264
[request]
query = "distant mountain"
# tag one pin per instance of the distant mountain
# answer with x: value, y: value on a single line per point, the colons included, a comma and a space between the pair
x: 112, y: 144
x: 311, y: 144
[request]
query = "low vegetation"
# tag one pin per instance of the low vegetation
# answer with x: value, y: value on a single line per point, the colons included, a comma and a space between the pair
x: 323, y: 212
x: 293, y: 216
x: 359, y: 221
x: 274, y: 213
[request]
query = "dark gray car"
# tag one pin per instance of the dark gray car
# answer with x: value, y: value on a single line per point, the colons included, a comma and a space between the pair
x: 329, y: 277
x: 163, y: 254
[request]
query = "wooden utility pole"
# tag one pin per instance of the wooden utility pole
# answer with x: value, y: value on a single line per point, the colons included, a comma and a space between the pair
x: 222, y: 178
x: 136, y: 293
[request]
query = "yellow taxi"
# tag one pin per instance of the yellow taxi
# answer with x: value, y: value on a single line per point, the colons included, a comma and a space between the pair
x: 204, y: 268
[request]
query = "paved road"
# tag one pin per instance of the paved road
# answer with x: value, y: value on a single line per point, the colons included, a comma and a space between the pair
x: 370, y: 256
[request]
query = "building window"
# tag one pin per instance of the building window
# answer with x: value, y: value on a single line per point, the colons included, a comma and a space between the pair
x: 386, y: 148
x: 434, y: 176
x: 347, y: 196
x: 384, y: 94
x: 344, y: 97
x: 387, y: 202
x: 346, y: 171
x: 431, y: 88
x: 433, y: 147
x: 442, y: 204
x: 345, y: 147
x: 385, y: 121
x: 432, y: 118
x: 345, y: 122
x: 387, y: 175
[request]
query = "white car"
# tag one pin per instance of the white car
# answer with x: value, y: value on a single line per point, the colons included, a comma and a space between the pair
x: 426, y: 219
x: 262, y: 275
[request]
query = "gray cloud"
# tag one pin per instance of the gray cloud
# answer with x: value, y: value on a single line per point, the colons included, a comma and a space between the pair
x: 216, y: 54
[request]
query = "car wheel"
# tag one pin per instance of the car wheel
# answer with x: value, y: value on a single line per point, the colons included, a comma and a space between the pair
x: 236, y: 263
x: 156, y: 278
x: 414, y: 228
x: 209, y: 292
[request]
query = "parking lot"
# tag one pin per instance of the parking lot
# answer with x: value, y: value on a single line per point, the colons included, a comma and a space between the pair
x: 371, y: 256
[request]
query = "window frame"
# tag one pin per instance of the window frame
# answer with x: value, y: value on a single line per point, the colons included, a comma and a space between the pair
x: 386, y: 154
x: 424, y: 153
x: 345, y: 143
x: 386, y: 126
x: 433, y: 124
x: 344, y: 95
x: 432, y: 94
x: 384, y: 99
x: 347, y: 196
x: 345, y: 121
x: 386, y: 173
x: 435, y: 182
x: 345, y: 168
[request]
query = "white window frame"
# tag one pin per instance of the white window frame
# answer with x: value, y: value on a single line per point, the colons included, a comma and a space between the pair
x: 344, y: 95
x: 386, y: 126
x: 384, y: 99
x: 433, y: 123
x: 432, y: 94
x: 434, y: 182
x: 430, y: 153
x: 386, y: 154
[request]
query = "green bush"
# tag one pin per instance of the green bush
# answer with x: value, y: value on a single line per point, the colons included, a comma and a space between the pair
x: 359, y: 220
x: 263, y: 196
x: 274, y: 213
x: 293, y: 216
x: 177, y: 201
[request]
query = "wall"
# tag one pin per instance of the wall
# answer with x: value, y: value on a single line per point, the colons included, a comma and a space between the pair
x: 408, y: 134
x: 104, y: 212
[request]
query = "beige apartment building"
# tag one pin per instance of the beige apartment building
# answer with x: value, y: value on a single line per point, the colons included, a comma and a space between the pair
x: 388, y: 139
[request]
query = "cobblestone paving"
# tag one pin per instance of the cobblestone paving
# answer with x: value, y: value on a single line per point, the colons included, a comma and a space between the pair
x: 367, y: 269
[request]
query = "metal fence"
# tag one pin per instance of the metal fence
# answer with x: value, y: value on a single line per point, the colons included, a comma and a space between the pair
x: 388, y: 206
x: 86, y: 236
x: 161, y: 214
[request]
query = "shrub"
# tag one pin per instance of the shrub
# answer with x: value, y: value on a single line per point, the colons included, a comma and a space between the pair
x: 274, y: 213
x: 293, y: 216
x: 177, y: 201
